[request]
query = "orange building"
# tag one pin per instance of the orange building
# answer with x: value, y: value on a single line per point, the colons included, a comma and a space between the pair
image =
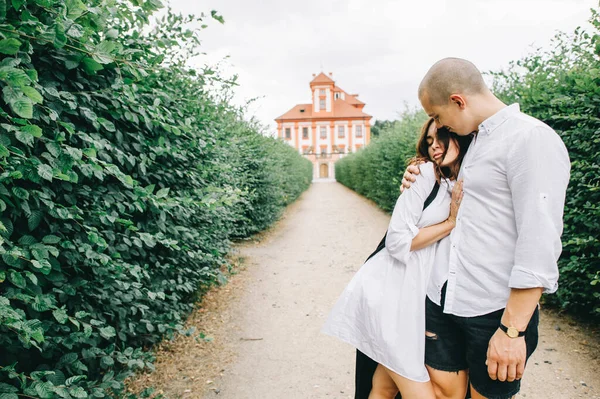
x: 332, y: 125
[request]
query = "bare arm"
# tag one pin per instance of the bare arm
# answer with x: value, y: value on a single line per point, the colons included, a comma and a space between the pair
x: 506, y: 356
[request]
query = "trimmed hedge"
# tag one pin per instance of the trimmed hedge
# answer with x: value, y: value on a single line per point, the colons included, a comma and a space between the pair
x: 561, y: 87
x: 123, y: 181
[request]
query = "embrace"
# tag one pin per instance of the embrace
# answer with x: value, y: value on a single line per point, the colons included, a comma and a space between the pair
x: 447, y: 306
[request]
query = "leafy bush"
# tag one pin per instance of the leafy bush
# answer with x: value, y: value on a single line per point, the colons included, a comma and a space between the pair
x: 376, y: 170
x: 561, y: 87
x: 122, y: 182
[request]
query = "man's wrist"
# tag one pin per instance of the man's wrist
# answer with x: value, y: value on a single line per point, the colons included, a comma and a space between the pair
x: 512, y: 332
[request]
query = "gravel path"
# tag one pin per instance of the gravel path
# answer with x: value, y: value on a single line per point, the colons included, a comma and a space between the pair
x: 263, y: 328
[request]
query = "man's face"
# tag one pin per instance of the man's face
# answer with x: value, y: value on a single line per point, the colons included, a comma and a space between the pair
x: 451, y: 115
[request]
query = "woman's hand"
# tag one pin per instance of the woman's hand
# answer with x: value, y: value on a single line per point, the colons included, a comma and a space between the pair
x: 457, y: 195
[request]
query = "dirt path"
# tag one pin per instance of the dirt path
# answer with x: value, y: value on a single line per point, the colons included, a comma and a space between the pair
x: 260, y: 333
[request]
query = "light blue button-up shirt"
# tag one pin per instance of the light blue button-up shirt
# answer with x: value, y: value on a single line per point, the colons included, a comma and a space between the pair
x: 508, y: 228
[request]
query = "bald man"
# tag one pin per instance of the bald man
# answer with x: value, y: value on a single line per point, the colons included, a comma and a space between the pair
x: 482, y: 299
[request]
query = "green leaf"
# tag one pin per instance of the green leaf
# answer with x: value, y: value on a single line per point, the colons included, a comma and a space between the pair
x: 4, y: 151
x: 34, y: 220
x: 60, y: 37
x: 8, y: 396
x: 7, y: 388
x: 90, y: 152
x: 51, y: 239
x: 33, y: 130
x: 33, y: 94
x: 75, y: 9
x: 75, y: 379
x: 17, y: 4
x: 107, y: 332
x: 32, y: 277
x: 108, y: 125
x: 25, y: 138
x: 14, y: 77
x: 2, y: 276
x: 78, y: 392
x: 44, y: 390
x: 23, y: 107
x: 17, y: 279
x: 103, y: 52
x: 60, y: 315
x: 163, y: 192
x: 91, y: 66
x: 9, y: 46
x: 33, y: 75
x: 45, y: 172
x: 20, y: 193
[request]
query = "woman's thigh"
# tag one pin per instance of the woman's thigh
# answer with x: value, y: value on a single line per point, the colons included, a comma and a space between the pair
x: 410, y: 389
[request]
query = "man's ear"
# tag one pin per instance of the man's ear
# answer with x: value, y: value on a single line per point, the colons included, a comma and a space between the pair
x: 458, y: 100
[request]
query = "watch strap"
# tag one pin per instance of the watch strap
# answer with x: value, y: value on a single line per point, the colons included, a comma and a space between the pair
x: 505, y: 329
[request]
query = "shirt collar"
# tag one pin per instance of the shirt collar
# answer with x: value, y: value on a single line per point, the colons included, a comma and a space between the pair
x: 491, y: 123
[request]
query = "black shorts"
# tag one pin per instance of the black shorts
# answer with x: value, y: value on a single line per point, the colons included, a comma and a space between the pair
x: 461, y: 343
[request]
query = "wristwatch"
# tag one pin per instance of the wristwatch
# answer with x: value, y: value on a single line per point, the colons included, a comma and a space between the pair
x: 512, y: 332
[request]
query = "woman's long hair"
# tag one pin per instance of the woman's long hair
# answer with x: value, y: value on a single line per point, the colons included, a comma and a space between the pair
x: 444, y: 136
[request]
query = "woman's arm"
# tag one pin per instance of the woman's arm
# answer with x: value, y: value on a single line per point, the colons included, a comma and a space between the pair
x: 407, y: 212
x: 432, y: 234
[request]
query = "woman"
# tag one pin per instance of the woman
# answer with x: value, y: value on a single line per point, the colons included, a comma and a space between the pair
x: 382, y: 310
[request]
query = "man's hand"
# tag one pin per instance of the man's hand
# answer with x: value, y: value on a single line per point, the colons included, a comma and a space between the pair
x: 506, y: 357
x: 410, y: 176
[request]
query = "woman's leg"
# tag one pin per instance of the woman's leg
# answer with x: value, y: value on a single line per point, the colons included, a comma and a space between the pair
x: 411, y: 389
x: 383, y: 385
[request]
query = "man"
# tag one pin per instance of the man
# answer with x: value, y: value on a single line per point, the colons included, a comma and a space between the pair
x: 482, y: 300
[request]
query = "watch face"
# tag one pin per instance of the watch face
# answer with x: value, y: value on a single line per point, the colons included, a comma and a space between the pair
x: 512, y: 332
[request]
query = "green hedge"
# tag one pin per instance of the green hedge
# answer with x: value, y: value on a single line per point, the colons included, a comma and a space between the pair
x: 376, y: 170
x: 561, y: 86
x: 123, y: 181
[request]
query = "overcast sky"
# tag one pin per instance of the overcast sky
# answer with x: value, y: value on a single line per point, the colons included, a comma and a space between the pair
x: 379, y: 49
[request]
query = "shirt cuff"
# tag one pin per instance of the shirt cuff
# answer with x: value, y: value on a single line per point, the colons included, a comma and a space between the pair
x: 522, y: 278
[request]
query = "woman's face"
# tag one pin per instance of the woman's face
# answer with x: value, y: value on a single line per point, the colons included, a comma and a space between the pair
x: 436, y: 148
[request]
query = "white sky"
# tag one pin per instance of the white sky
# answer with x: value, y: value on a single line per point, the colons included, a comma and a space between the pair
x: 379, y: 49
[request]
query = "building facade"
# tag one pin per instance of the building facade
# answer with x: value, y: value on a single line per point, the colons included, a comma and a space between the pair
x: 326, y: 129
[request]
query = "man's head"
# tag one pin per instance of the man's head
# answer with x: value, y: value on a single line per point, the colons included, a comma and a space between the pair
x: 447, y: 92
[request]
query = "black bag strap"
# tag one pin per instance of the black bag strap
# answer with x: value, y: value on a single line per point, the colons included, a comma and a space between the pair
x: 427, y: 202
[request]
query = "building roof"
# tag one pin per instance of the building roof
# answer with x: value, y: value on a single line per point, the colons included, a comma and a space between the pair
x: 321, y: 78
x: 341, y: 109
x: 295, y: 112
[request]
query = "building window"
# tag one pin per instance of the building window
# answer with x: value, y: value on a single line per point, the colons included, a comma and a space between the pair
x: 322, y: 92
x: 342, y: 148
x: 323, y: 132
x: 358, y: 147
x: 341, y: 132
x: 324, y: 150
x: 322, y: 105
x: 359, y: 132
x: 288, y: 133
x: 305, y: 133
x: 337, y: 95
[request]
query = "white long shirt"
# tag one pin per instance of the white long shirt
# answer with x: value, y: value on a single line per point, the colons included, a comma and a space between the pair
x: 508, y: 228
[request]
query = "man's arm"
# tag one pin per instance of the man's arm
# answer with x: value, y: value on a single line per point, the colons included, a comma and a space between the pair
x: 538, y: 173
